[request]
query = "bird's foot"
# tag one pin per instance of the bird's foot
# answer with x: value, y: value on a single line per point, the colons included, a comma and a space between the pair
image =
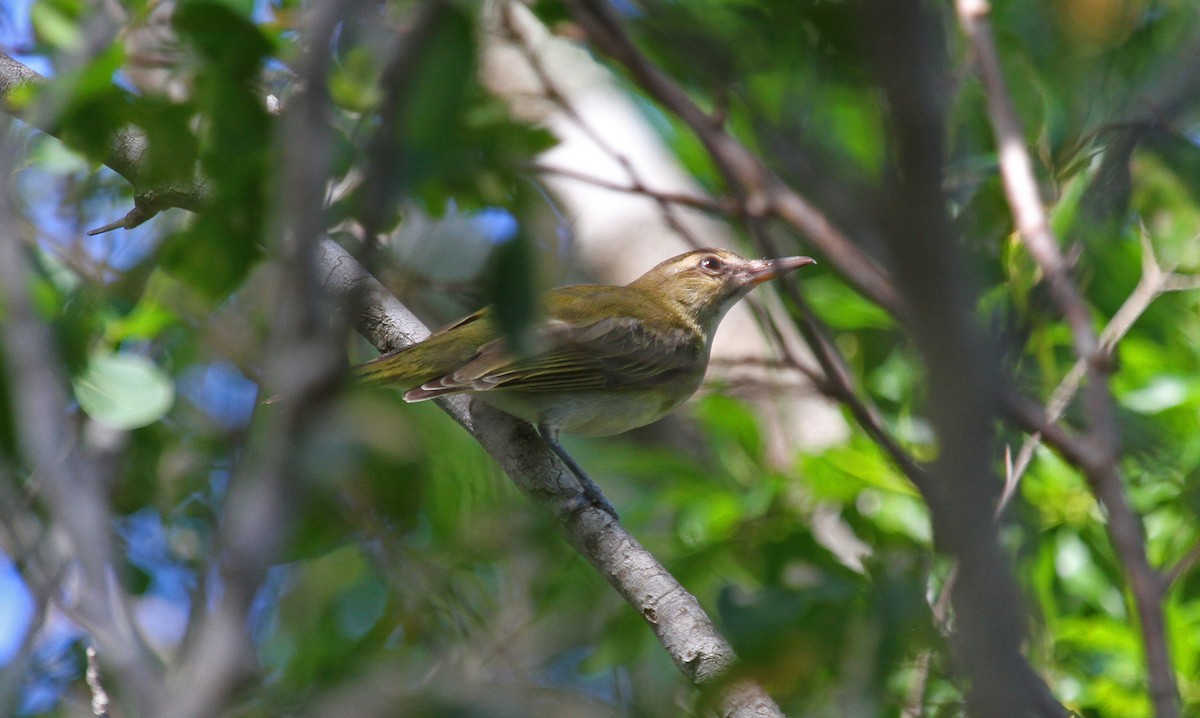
x: 592, y: 496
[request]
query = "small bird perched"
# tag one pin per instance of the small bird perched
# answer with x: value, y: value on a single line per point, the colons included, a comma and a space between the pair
x: 603, y: 360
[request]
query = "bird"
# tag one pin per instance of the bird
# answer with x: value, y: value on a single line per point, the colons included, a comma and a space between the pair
x: 601, y: 360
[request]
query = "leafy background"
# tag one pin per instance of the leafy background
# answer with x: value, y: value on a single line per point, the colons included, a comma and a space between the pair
x: 413, y: 570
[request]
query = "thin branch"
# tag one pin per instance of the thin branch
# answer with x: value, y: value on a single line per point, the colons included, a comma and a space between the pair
x: 687, y: 200
x: 1125, y: 528
x: 51, y: 447
x: 534, y: 59
x: 1020, y: 184
x: 96, y: 685
x: 1154, y: 282
x: 1185, y: 564
x: 764, y: 193
x: 303, y: 361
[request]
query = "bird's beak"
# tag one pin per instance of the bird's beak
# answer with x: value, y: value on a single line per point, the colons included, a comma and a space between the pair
x: 762, y: 270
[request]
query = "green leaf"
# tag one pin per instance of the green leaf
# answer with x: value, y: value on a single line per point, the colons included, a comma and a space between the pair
x: 512, y: 290
x: 124, y: 391
x: 209, y: 258
x: 1164, y: 392
x: 93, y: 108
x: 57, y: 24
x: 841, y: 307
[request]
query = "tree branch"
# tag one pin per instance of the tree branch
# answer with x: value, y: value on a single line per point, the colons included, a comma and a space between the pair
x: 1124, y: 525
x: 763, y: 192
x: 678, y: 198
x: 960, y: 365
x: 303, y: 360
x: 55, y: 456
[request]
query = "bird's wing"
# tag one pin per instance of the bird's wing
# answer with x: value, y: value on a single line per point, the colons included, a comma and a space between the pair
x: 608, y: 354
x: 440, y: 353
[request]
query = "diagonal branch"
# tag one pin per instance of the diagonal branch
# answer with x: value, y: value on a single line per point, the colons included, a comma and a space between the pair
x: 1154, y: 282
x: 1124, y: 525
x: 764, y: 193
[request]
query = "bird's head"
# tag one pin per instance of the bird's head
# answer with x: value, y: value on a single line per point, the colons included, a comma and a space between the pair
x: 705, y: 283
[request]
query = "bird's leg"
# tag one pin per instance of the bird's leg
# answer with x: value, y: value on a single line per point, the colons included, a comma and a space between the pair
x: 591, y: 491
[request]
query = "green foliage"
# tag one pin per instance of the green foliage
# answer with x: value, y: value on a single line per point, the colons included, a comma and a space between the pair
x: 411, y: 561
x: 216, y: 252
x: 124, y: 391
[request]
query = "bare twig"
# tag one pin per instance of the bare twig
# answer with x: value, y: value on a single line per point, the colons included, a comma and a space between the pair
x: 1124, y: 524
x: 763, y: 192
x: 838, y: 383
x: 74, y: 492
x: 1182, y: 566
x: 1020, y: 184
x: 534, y: 59
x: 679, y: 198
x: 303, y: 361
x: 1154, y: 282
x: 96, y: 685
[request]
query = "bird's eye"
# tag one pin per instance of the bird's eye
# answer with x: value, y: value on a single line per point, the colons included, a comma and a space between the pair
x: 711, y: 264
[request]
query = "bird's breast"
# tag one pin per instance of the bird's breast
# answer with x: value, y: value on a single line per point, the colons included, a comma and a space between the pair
x: 595, y: 413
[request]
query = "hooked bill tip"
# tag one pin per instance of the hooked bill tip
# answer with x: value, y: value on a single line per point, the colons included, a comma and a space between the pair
x: 785, y: 264
x: 772, y: 268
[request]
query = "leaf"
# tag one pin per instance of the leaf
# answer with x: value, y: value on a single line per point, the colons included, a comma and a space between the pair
x: 512, y: 289
x: 1164, y: 392
x: 124, y: 391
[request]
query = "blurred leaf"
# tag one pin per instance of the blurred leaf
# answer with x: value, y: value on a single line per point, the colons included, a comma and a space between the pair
x: 93, y: 109
x: 56, y: 22
x: 172, y: 147
x: 512, y: 290
x: 215, y: 253
x: 124, y: 391
x: 1164, y: 393
x: 732, y: 421
x: 841, y: 307
x: 353, y: 83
